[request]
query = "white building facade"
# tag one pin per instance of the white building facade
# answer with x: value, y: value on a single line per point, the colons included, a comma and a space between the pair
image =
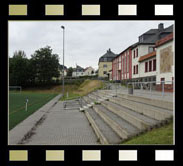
x: 138, y: 68
x: 165, y: 50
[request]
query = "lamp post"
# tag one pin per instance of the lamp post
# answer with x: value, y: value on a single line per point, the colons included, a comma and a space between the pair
x: 63, y: 61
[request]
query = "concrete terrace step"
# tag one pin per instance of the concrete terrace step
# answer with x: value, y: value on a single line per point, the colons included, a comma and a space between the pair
x: 153, y: 102
x: 88, y: 100
x: 97, y: 131
x: 150, y: 111
x: 115, y: 126
x: 140, y: 121
x: 100, y: 124
x: 109, y: 93
x: 129, y: 129
x: 94, y: 98
x: 118, y: 118
x: 100, y: 96
x: 107, y: 135
x: 104, y: 95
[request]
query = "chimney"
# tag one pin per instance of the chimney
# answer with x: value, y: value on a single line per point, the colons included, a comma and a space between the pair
x: 161, y: 26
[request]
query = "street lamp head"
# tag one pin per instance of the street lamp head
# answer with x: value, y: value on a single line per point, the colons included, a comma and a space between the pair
x: 62, y: 27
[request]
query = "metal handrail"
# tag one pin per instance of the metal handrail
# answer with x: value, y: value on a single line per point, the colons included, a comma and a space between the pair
x: 150, y: 84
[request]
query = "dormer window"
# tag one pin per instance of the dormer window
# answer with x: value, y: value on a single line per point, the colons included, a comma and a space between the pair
x: 141, y: 39
x: 105, y: 59
x: 151, y: 49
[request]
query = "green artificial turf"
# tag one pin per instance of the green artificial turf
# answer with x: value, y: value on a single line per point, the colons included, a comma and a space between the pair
x: 17, y: 102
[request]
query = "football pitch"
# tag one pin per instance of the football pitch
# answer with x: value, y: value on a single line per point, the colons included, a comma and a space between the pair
x: 17, y: 105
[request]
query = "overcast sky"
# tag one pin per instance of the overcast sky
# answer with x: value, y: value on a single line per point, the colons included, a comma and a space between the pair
x: 85, y: 41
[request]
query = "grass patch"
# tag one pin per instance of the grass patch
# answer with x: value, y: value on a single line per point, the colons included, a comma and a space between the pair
x: 71, y: 96
x: 162, y: 135
x: 17, y: 111
x: 75, y: 91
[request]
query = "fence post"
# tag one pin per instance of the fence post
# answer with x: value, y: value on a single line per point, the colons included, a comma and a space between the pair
x: 67, y: 95
x: 150, y: 89
x: 133, y: 86
x: 163, y: 88
x: 26, y: 104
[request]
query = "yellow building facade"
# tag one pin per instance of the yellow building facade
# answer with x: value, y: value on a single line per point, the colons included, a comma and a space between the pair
x: 105, y: 64
x: 104, y: 68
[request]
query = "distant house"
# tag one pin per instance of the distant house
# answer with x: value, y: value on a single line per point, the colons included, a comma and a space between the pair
x: 89, y: 71
x: 78, y: 71
x: 105, y: 64
x: 61, y: 70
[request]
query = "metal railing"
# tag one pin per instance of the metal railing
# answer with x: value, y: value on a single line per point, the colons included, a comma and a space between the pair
x: 161, y: 87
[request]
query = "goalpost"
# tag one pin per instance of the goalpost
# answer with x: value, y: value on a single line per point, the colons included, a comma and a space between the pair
x: 15, y: 88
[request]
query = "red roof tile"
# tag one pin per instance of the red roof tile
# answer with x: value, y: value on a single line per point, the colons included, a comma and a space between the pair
x: 147, y: 56
x: 164, y: 40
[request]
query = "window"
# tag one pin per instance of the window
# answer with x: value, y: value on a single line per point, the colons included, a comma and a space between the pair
x: 133, y: 69
x: 137, y: 52
x: 127, y: 63
x: 136, y: 69
x: 119, y: 58
x: 105, y: 72
x: 162, y: 80
x: 151, y: 49
x: 150, y: 65
x: 134, y: 54
x: 146, y: 67
x: 141, y: 39
x: 105, y: 65
x: 122, y: 64
x: 154, y: 65
x: 105, y: 59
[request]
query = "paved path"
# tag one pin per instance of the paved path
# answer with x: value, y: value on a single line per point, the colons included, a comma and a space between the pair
x: 53, y: 125
x: 17, y: 133
x: 64, y: 127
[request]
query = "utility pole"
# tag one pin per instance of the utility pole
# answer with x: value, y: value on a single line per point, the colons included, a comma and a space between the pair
x: 63, y: 61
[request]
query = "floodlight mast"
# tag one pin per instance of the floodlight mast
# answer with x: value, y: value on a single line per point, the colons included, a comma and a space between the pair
x: 63, y: 61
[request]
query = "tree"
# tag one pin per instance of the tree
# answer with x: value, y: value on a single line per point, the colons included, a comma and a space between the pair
x: 19, y: 53
x: 46, y: 65
x: 18, y: 65
x: 69, y: 71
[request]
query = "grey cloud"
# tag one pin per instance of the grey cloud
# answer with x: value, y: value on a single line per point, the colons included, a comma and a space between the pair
x: 85, y: 41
